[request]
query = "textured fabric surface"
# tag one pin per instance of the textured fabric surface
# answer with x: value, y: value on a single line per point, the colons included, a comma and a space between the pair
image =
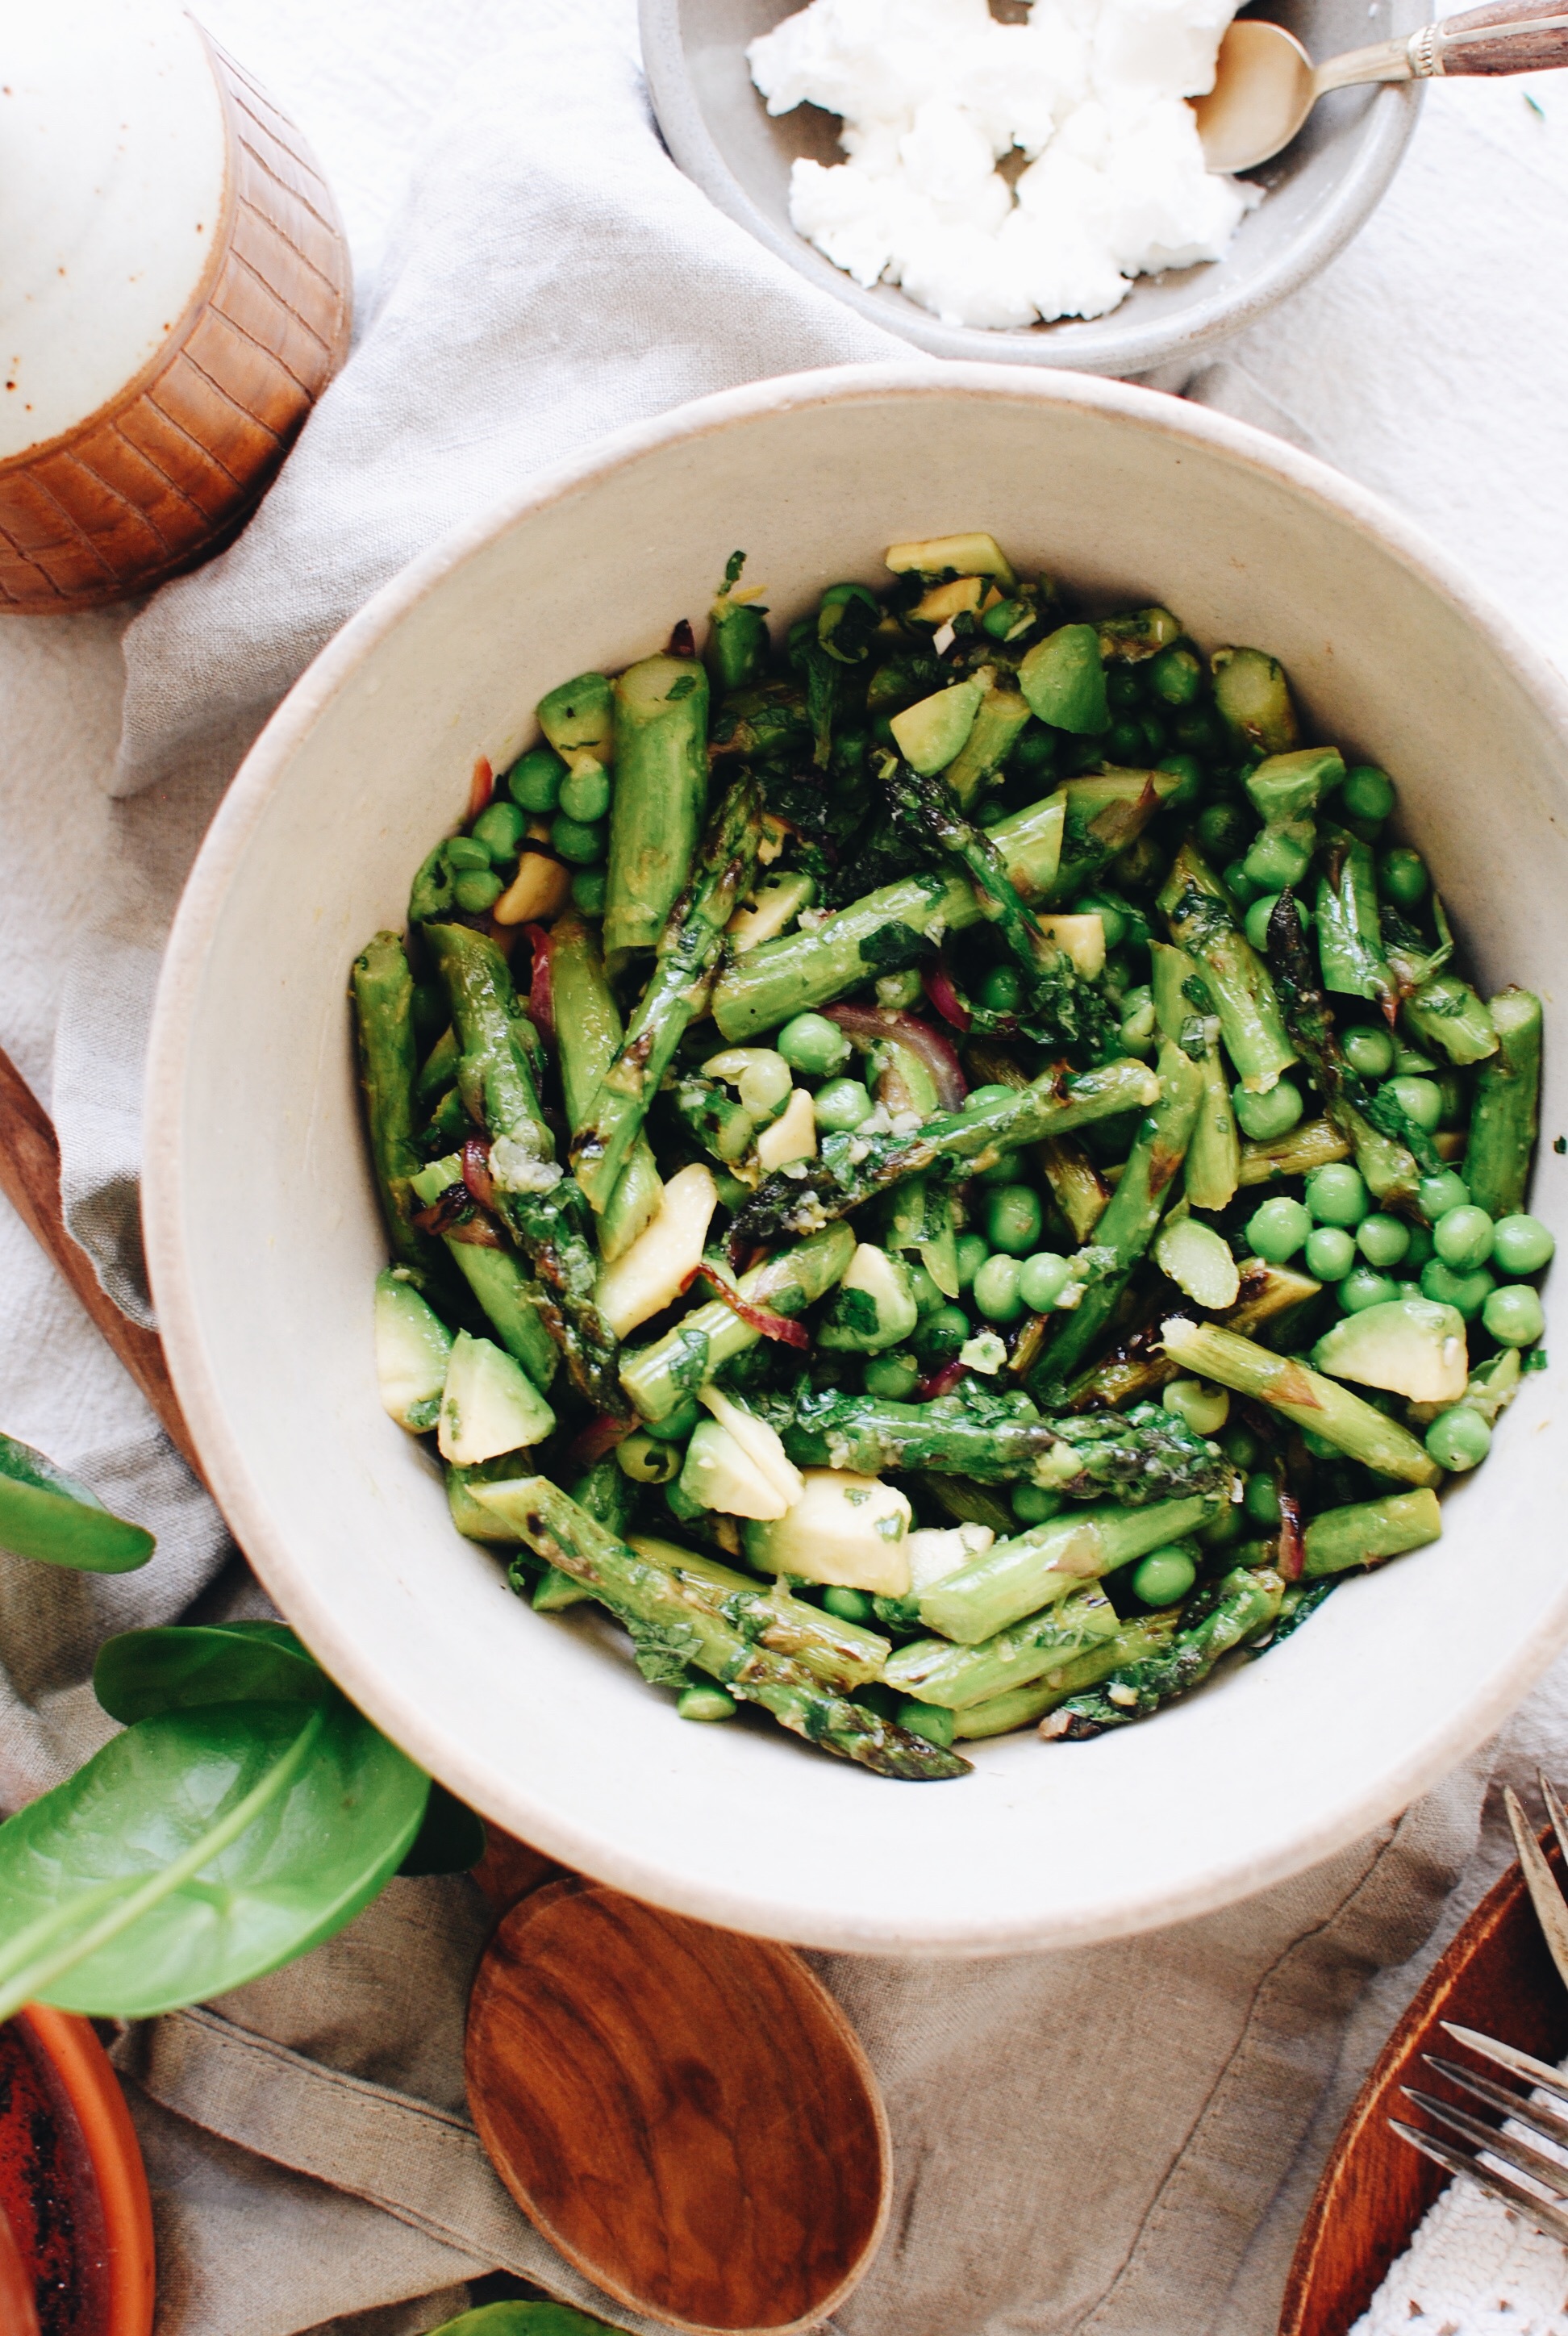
x: 1120, y: 2140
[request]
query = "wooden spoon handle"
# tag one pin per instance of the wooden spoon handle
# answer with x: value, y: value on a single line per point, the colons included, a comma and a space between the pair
x: 1505, y: 36
x: 30, y: 1180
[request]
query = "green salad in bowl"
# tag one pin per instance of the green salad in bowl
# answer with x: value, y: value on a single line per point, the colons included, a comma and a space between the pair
x: 941, y: 1164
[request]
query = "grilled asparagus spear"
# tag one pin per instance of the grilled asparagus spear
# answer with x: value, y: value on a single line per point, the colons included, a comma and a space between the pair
x: 1246, y: 1603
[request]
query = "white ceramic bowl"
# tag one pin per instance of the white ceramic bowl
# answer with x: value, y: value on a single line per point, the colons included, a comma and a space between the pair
x: 1321, y: 190
x: 264, y: 1237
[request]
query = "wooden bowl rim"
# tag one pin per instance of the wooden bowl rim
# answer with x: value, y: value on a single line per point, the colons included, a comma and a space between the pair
x: 68, y: 2044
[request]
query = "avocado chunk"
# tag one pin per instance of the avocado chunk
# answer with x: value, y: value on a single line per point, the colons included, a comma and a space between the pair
x: 874, y: 1307
x: 719, y: 1473
x: 1409, y: 1345
x: 411, y: 1346
x: 1199, y: 1262
x: 578, y: 718
x: 489, y: 1405
x: 1290, y: 786
x: 1065, y: 683
x: 845, y: 1529
x: 929, y: 734
x: 959, y: 555
x: 1002, y: 714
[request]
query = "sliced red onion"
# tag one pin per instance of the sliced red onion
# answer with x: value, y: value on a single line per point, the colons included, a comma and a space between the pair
x: 1292, y: 1555
x: 591, y: 1442
x: 540, y: 996
x: 447, y: 1211
x: 940, y: 1383
x: 477, y: 1231
x: 875, y: 1022
x: 481, y: 787
x: 755, y: 1318
x: 938, y: 984
x: 476, y: 1173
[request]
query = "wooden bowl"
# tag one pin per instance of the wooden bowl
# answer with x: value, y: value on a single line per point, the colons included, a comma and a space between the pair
x: 73, y: 2188
x: 159, y: 427
x: 1496, y: 1977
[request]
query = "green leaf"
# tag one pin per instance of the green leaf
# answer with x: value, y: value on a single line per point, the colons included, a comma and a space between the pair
x: 451, y: 1840
x: 200, y: 1850
x: 143, y: 1672
x: 48, y: 1515
x: 524, y: 2320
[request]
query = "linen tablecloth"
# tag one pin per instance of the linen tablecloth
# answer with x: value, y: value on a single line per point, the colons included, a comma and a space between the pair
x: 1119, y: 2140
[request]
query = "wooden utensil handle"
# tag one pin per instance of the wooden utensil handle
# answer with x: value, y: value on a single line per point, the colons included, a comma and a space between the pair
x: 1506, y: 36
x: 30, y: 1180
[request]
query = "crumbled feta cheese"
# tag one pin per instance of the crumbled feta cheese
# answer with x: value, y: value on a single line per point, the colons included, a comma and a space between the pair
x: 933, y: 94
x: 984, y: 1352
x: 519, y: 1164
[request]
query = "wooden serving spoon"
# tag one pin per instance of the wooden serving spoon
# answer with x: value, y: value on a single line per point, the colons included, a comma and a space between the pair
x: 1265, y: 83
x: 684, y: 2113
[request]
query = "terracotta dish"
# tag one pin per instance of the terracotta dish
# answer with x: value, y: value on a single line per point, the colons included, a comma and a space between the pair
x: 176, y: 296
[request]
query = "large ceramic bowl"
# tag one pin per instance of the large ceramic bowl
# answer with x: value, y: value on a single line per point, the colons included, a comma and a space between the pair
x: 264, y: 1237
x: 1319, y: 191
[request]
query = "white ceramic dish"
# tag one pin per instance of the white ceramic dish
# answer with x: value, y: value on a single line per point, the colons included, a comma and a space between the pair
x: 1321, y: 190
x: 264, y: 1239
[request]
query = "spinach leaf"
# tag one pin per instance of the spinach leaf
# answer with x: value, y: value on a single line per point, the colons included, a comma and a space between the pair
x: 198, y: 1850
x: 46, y: 1514
x: 143, y: 1672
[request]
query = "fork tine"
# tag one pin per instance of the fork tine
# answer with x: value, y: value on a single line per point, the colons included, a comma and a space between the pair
x: 1554, y: 1809
x: 1509, y: 2057
x: 1548, y: 2219
x: 1550, y: 2171
x: 1539, y: 1880
x: 1498, y: 2096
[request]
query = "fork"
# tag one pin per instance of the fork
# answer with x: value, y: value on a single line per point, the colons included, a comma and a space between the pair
x: 1531, y: 2143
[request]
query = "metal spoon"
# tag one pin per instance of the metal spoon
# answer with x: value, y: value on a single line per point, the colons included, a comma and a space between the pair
x: 1265, y: 83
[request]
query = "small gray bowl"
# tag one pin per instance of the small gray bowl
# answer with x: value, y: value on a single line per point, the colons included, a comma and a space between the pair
x: 1321, y: 190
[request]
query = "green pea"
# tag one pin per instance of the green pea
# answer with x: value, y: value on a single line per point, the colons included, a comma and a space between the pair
x: 894, y: 1377
x: 1204, y: 1407
x: 577, y: 844
x: 841, y: 1105
x: 764, y: 1086
x: 1224, y: 830
x: 997, y: 1290
x: 500, y: 828
x: 1277, y: 860
x: 467, y: 851
x: 981, y: 1098
x: 1201, y: 731
x: 1367, y: 793
x: 1458, y: 1439
x: 1514, y: 1315
x: 1402, y: 877
x: 678, y: 1426
x: 896, y: 992
x: 813, y: 1045
x: 1368, y: 1050
x: 536, y: 780
x: 705, y: 1700
x: 1366, y: 1287
x: 1155, y: 739
x: 1188, y: 771
x: 1330, y: 1253
x: 1111, y: 914
x: 1319, y: 1445
x: 1243, y: 886
x: 927, y: 1297
x: 476, y: 889
x: 1240, y: 1448
x: 1013, y: 1219
x: 1224, y: 1530
x: 848, y: 1605
x: 1126, y: 744
x: 1468, y: 1293
x: 1123, y: 689
x: 1521, y: 1245
x: 1042, y: 1279
x: 1420, y: 1251
x: 1337, y: 1195
x: 589, y: 889
x: 1419, y: 1100
x: 1438, y: 1195
x: 1035, y: 750
x: 1261, y: 1499
x: 1264, y: 1116
x: 585, y: 795
x: 1033, y: 1505
x: 645, y: 1460
x: 941, y: 1334
x: 1165, y: 1575
x: 1176, y: 677
x: 1002, y: 990
x: 1382, y: 1240
x: 1463, y: 1238
x: 1277, y: 1230
x: 972, y: 1253
x: 1256, y: 921
x: 1007, y: 1168
x: 931, y: 1720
